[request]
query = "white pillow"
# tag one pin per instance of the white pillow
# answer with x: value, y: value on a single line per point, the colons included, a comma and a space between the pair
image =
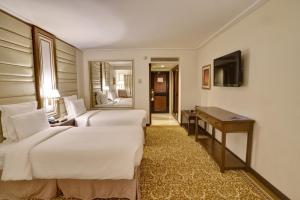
x: 30, y: 123
x: 11, y: 110
x: 67, y: 101
x: 103, y: 98
x: 112, y: 95
x: 78, y: 107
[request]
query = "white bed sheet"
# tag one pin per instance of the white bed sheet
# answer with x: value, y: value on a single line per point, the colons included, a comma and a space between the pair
x: 76, y: 153
x: 119, y: 102
x: 3, y: 147
x: 112, y: 118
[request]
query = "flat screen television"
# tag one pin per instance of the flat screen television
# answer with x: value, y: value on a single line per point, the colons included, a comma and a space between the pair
x: 228, y: 70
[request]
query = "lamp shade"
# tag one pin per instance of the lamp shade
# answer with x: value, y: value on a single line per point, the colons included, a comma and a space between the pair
x: 53, y: 94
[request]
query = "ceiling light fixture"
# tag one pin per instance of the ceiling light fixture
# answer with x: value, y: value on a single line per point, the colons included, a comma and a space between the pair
x: 162, y: 66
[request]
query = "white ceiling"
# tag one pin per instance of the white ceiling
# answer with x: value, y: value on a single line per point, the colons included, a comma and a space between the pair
x: 129, y: 23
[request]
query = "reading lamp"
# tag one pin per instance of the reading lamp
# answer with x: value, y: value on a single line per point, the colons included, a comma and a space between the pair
x: 54, y: 95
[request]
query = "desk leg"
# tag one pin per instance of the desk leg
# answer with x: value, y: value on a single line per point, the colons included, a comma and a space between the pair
x: 249, y: 146
x: 213, y: 132
x: 196, y: 129
x: 189, y: 126
x: 181, y: 118
x: 222, y: 166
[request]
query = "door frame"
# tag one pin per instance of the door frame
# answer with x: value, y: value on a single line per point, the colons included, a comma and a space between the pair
x: 175, y: 90
x: 167, y: 92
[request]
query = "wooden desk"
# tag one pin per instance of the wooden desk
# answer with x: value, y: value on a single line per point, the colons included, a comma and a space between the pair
x: 226, y: 122
x: 191, y: 119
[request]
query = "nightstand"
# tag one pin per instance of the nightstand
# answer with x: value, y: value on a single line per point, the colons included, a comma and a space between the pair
x: 68, y: 122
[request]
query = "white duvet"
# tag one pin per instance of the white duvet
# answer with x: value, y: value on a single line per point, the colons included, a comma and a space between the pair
x: 112, y: 118
x: 75, y: 153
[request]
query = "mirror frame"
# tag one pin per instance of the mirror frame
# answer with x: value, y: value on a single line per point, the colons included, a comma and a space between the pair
x: 38, y: 35
x: 91, y: 88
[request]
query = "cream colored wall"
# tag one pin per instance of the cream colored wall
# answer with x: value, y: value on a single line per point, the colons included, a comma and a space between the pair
x: 187, y: 74
x: 270, y: 42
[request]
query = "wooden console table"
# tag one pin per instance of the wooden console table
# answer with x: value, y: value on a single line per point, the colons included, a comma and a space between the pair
x: 191, y: 119
x: 226, y: 122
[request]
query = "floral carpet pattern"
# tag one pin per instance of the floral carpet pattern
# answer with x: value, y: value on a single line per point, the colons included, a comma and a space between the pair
x: 174, y: 166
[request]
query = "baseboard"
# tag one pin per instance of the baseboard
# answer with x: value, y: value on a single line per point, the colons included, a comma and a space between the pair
x: 268, y: 185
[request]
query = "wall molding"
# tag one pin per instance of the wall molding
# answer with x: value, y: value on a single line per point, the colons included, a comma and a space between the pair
x: 257, y: 4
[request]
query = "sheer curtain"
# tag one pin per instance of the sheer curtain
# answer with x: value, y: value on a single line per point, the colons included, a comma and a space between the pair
x: 128, y: 84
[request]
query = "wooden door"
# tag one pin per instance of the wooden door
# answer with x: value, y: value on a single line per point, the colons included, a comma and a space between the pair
x: 160, y: 92
x: 175, y: 89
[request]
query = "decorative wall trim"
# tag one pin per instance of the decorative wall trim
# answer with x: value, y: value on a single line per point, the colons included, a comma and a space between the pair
x: 257, y: 4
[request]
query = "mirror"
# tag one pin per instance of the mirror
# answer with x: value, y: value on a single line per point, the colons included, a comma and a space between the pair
x: 45, y: 69
x: 111, y: 84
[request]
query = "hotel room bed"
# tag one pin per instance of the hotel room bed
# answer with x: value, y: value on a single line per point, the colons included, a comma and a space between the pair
x: 121, y: 102
x: 83, y: 162
x: 112, y: 118
x: 75, y: 107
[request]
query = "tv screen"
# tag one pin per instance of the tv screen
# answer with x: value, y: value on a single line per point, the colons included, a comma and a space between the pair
x: 228, y: 70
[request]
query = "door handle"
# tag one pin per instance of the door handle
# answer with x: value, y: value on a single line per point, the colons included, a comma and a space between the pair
x: 152, y: 95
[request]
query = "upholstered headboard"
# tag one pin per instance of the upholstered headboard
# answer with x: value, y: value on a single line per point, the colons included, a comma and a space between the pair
x: 66, y: 71
x: 17, y: 83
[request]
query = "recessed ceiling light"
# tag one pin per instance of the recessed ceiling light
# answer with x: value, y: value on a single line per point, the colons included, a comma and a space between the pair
x: 162, y: 66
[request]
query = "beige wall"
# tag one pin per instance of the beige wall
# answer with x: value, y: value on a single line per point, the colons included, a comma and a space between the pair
x: 270, y: 41
x: 187, y: 74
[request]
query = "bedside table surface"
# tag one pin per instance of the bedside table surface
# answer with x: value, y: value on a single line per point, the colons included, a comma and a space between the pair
x: 68, y: 122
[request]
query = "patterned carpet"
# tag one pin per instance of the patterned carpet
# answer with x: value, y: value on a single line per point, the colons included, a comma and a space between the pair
x: 175, y: 167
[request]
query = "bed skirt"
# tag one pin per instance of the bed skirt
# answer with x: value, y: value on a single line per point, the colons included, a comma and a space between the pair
x: 40, y: 189
x: 81, y: 189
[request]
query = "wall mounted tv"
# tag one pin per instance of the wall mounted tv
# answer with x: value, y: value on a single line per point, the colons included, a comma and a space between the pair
x: 228, y: 70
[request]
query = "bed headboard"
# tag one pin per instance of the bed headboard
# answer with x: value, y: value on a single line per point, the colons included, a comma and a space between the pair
x: 66, y: 71
x: 17, y: 83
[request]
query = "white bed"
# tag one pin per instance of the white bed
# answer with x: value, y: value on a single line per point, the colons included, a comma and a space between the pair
x: 83, y: 162
x: 3, y: 147
x: 100, y: 118
x: 75, y: 153
x: 112, y: 118
x: 121, y: 102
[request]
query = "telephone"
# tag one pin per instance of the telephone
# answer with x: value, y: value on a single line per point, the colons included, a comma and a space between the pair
x: 52, y: 120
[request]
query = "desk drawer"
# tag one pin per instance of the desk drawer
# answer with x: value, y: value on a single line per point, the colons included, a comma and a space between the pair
x: 215, y: 123
x: 218, y: 125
